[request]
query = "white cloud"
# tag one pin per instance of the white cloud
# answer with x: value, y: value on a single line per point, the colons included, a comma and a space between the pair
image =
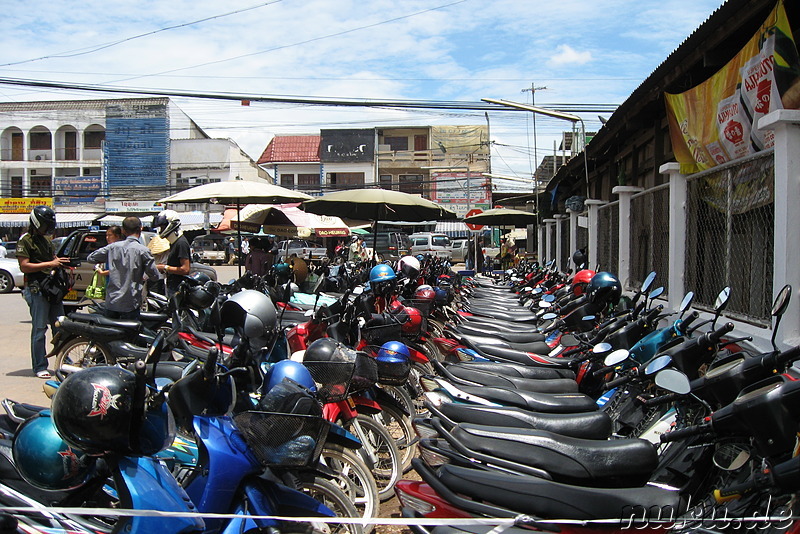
x: 566, y: 55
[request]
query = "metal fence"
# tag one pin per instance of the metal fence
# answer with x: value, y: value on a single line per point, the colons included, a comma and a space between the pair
x: 608, y: 238
x: 649, y: 236
x: 729, y: 241
x: 566, y: 253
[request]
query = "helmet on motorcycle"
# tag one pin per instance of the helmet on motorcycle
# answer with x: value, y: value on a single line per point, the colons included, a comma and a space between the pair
x: 253, y: 313
x: 442, y: 296
x: 394, y: 363
x: 444, y: 280
x: 199, y: 298
x: 580, y: 281
x: 424, y: 298
x: 45, y: 460
x: 197, y: 278
x: 288, y: 369
x: 604, y: 288
x: 420, y: 258
x: 409, y: 266
x: 579, y: 258
x: 43, y: 218
x: 100, y: 409
x: 381, y: 273
x: 282, y: 268
x: 412, y: 325
x: 169, y: 224
x: 332, y: 365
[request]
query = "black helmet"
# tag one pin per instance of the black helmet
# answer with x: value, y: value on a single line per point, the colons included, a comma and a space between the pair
x: 43, y: 218
x: 604, y: 288
x: 199, y: 298
x: 197, y: 278
x: 253, y: 313
x: 579, y: 258
x: 99, y: 410
x: 332, y: 365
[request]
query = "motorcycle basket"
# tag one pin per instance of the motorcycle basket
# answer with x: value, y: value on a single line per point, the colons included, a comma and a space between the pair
x: 283, y: 440
x: 332, y: 378
x: 380, y: 334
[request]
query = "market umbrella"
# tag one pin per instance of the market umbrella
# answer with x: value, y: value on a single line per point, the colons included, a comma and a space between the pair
x: 377, y: 205
x: 503, y: 217
x: 237, y: 192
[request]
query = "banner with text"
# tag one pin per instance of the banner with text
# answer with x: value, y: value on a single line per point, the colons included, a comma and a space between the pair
x: 716, y: 121
x: 23, y: 205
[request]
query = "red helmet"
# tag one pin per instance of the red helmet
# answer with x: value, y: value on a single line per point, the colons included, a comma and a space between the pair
x: 423, y: 299
x: 413, y: 321
x: 580, y: 280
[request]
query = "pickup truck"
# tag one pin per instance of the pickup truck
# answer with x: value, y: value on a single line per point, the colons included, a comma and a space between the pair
x: 80, y: 243
x: 302, y: 249
x: 210, y: 249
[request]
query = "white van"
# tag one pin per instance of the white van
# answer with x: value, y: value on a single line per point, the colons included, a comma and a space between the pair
x: 429, y: 243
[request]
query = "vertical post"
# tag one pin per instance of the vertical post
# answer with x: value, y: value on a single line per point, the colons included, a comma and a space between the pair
x: 559, y: 242
x: 540, y: 244
x: 677, y: 233
x: 592, y: 206
x: 573, y: 233
x: 625, y: 193
x: 786, y: 126
x: 550, y: 249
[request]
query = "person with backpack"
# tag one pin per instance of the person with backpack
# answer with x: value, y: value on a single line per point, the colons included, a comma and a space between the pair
x: 37, y: 260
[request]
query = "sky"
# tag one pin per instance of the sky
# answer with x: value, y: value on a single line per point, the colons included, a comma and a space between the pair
x: 574, y: 52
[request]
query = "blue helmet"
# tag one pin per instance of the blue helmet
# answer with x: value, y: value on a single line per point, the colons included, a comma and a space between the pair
x: 45, y: 460
x: 381, y: 273
x: 289, y: 369
x: 393, y: 352
x: 442, y: 296
x: 421, y: 257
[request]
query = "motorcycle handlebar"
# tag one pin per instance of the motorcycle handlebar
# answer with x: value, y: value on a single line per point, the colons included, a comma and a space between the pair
x: 663, y: 399
x: 618, y: 382
x: 689, y: 320
x: 687, y: 432
x: 712, y: 338
x: 787, y: 356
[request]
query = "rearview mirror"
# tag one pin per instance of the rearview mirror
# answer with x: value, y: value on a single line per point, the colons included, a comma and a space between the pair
x: 686, y: 302
x: 549, y: 298
x: 549, y: 316
x: 657, y: 364
x: 602, y: 348
x: 674, y: 381
x: 657, y: 292
x: 616, y: 357
x: 544, y: 304
x: 648, y: 282
x: 779, y: 308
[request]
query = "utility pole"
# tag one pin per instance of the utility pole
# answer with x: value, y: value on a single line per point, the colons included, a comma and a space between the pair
x: 532, y: 91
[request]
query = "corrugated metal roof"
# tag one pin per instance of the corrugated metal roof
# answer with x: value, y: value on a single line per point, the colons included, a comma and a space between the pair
x: 291, y: 148
x: 77, y: 104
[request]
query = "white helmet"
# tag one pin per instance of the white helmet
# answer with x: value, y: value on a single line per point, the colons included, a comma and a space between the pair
x: 169, y: 224
x: 409, y: 266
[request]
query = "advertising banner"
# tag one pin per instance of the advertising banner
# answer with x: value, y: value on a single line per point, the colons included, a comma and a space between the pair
x: 351, y: 146
x: 23, y: 205
x: 716, y: 121
x: 137, y: 145
x: 78, y: 190
x: 450, y: 190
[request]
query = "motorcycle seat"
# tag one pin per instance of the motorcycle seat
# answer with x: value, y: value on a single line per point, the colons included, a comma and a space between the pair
x: 588, y: 425
x: 542, y: 385
x: 548, y: 499
x: 525, y: 317
x: 539, y: 347
x: 521, y: 356
x: 517, y: 370
x: 531, y: 400
x: 153, y: 317
x: 616, y: 462
x: 477, y: 329
x: 102, y: 320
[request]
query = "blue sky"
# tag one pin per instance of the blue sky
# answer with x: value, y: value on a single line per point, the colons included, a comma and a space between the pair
x: 583, y: 52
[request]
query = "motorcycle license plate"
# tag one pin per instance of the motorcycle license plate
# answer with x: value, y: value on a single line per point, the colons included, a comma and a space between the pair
x: 71, y: 295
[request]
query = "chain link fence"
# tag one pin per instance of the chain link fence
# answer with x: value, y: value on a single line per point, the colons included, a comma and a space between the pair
x: 608, y: 238
x: 729, y: 241
x: 649, y: 237
x: 566, y: 253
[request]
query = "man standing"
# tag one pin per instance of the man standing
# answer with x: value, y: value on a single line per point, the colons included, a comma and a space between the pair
x: 179, y: 260
x: 36, y: 259
x: 128, y: 261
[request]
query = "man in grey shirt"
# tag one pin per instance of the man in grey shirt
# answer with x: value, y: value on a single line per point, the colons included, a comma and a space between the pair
x: 128, y: 261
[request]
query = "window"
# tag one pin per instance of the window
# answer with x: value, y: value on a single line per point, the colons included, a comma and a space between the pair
x: 346, y: 179
x: 396, y: 143
x: 40, y: 140
x: 287, y: 180
x: 308, y: 181
x: 40, y: 186
x: 421, y: 242
x: 440, y: 241
x: 93, y: 139
x: 16, y: 186
x: 385, y: 181
x: 411, y: 183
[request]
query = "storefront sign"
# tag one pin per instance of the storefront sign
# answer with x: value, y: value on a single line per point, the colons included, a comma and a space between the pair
x: 131, y: 206
x: 23, y: 205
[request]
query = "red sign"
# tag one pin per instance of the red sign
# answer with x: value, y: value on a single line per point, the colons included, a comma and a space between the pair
x: 470, y: 213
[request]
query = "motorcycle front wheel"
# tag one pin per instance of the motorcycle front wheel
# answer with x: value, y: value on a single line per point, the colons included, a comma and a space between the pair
x: 79, y: 353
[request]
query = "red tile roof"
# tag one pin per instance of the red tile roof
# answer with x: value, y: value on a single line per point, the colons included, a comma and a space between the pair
x: 288, y: 148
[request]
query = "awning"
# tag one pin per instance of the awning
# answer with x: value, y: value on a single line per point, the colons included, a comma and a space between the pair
x: 116, y: 220
x: 190, y: 220
x: 73, y: 220
x: 14, y: 220
x: 452, y: 228
x: 283, y: 220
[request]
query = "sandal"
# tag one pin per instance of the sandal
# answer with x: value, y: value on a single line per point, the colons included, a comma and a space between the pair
x: 44, y: 375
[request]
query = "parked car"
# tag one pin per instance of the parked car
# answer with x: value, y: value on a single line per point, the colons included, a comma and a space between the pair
x: 11, y: 248
x: 301, y: 248
x: 10, y: 275
x: 430, y: 243
x: 80, y: 243
x: 459, y: 249
x: 211, y: 249
x: 389, y: 245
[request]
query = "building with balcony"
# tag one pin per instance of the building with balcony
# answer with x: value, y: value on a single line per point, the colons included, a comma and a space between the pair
x: 443, y: 163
